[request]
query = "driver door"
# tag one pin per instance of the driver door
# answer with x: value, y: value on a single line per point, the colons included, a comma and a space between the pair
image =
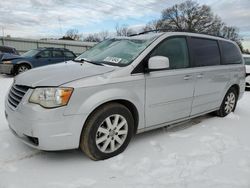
x: 43, y: 58
x: 169, y: 93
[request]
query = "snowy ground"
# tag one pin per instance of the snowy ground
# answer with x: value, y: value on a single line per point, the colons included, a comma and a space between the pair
x: 206, y: 152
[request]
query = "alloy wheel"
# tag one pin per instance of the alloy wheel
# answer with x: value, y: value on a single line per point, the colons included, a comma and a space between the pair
x: 111, y: 133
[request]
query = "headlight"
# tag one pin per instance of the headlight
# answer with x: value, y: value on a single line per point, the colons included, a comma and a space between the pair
x: 51, y: 97
x: 6, y: 62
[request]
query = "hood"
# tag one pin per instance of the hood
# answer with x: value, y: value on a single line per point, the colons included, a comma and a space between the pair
x: 7, y: 57
x: 58, y: 74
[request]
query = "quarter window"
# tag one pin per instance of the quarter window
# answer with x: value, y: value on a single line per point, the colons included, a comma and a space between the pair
x: 175, y: 49
x: 231, y: 54
x: 205, y: 52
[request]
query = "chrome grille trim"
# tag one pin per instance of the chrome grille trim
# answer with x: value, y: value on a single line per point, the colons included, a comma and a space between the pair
x: 16, y: 94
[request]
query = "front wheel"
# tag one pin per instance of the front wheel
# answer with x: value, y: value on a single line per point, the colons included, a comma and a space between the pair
x: 22, y: 68
x: 107, y: 132
x: 229, y: 103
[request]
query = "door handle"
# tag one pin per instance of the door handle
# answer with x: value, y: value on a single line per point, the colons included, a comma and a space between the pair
x: 200, y: 75
x: 187, y: 77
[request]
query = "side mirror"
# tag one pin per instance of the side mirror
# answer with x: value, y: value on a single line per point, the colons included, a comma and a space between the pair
x: 38, y: 56
x: 158, y: 63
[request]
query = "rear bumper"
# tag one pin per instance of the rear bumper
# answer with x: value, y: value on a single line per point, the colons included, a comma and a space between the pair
x: 6, y: 68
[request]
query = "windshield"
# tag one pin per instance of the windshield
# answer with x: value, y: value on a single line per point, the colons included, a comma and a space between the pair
x: 119, y: 51
x: 247, y: 60
x: 30, y: 53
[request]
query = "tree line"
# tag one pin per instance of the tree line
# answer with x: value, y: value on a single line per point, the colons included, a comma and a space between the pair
x: 188, y: 16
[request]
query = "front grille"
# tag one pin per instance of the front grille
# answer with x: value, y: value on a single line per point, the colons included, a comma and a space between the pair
x: 16, y: 94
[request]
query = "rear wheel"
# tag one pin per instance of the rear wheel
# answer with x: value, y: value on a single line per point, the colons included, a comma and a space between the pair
x: 107, y: 132
x: 22, y: 68
x: 229, y: 103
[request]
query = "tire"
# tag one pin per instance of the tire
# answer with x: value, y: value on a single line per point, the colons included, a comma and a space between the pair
x: 107, y: 131
x: 229, y: 103
x: 22, y: 68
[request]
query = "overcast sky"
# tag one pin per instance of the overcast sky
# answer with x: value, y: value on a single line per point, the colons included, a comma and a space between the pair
x: 52, y: 18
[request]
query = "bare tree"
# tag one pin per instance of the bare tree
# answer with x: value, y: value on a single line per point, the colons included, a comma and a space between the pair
x: 153, y: 25
x: 103, y: 35
x: 72, y: 34
x: 190, y: 16
x: 92, y: 38
x: 122, y: 30
x: 97, y: 37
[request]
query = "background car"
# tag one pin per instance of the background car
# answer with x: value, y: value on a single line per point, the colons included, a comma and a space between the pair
x: 4, y: 50
x: 247, y: 63
x: 13, y: 64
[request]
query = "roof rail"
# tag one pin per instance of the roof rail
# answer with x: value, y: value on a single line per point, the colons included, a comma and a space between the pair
x: 144, y: 32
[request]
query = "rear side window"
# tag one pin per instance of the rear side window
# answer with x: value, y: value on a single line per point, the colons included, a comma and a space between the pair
x: 247, y: 60
x: 231, y: 54
x: 205, y: 52
x: 176, y: 50
x: 69, y: 54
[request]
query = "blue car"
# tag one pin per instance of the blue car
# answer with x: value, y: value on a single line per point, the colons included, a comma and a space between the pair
x: 15, y: 64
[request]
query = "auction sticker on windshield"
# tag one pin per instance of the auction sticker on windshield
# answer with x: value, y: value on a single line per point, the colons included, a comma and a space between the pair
x: 112, y: 59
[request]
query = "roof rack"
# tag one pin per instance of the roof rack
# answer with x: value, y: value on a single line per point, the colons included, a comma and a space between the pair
x: 53, y: 48
x: 144, y: 32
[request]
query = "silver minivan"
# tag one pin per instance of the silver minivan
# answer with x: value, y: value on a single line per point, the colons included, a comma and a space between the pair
x: 123, y: 86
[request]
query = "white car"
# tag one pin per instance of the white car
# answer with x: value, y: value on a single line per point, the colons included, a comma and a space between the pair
x: 123, y: 86
x: 247, y: 63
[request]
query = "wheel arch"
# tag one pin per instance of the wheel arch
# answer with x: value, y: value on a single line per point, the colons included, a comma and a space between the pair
x: 128, y: 104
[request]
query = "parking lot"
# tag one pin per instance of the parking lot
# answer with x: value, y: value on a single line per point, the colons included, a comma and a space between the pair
x: 205, y: 152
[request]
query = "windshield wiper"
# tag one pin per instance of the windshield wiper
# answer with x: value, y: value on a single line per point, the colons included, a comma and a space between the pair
x: 82, y: 60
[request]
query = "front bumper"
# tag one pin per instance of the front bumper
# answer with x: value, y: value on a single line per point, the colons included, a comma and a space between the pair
x: 44, y: 129
x: 6, y: 68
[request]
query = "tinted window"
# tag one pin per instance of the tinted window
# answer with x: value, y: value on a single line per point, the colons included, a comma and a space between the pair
x: 45, y: 54
x: 247, y: 60
x: 205, y: 52
x: 176, y: 50
x: 57, y: 54
x: 6, y: 50
x: 69, y: 54
x: 231, y: 54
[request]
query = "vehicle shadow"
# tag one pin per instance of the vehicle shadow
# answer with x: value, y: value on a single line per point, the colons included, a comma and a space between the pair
x: 173, y: 128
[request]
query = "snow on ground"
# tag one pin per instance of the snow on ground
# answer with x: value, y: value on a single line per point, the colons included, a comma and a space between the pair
x: 206, y: 152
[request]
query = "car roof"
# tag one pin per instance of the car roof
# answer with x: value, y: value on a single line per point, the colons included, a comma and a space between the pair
x: 149, y: 35
x: 52, y: 48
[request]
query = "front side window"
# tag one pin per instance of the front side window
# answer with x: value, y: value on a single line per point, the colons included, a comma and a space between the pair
x: 30, y: 53
x: 205, y: 52
x: 247, y: 60
x: 231, y: 54
x: 175, y: 49
x: 117, y: 51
